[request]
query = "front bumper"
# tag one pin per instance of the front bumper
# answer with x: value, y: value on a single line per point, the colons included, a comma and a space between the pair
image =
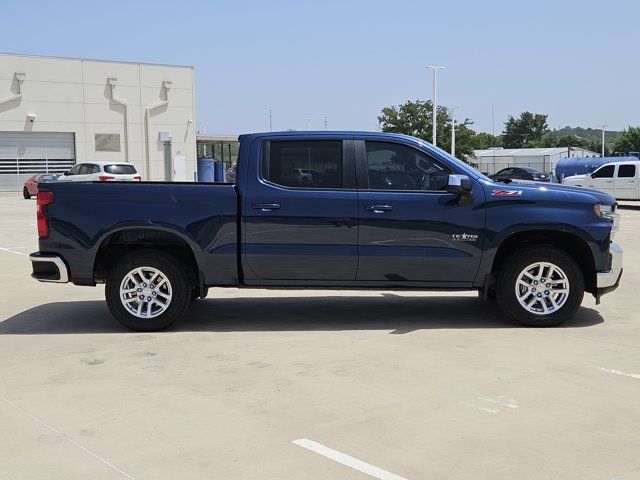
x: 608, y: 281
x: 48, y: 268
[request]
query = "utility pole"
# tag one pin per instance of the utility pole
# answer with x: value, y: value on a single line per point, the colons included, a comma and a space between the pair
x: 603, y: 127
x: 453, y: 131
x: 308, y: 123
x: 434, y: 103
x: 270, y: 121
x: 325, y: 122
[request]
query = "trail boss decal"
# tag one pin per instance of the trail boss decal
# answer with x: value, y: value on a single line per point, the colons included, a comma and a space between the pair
x: 464, y: 237
x: 506, y: 193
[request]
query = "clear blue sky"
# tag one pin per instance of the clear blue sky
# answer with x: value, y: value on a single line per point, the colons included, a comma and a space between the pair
x: 578, y: 61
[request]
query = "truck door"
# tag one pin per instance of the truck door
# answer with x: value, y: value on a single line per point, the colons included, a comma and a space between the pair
x: 300, y: 211
x: 602, y: 179
x: 411, y: 229
x: 626, y: 182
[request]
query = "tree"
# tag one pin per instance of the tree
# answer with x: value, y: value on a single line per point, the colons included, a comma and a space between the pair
x: 628, y: 141
x: 415, y: 119
x: 524, y: 131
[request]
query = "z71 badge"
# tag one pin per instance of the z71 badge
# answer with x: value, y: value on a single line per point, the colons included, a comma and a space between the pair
x: 464, y: 237
x: 506, y: 193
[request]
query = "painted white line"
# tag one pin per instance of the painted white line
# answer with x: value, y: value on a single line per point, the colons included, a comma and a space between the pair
x: 346, y: 460
x: 625, y: 474
x: 481, y: 408
x: 12, y: 251
x: 22, y: 248
x: 58, y: 432
x: 618, y: 372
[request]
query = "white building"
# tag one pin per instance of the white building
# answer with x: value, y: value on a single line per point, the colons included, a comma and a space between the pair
x: 55, y: 112
x: 545, y: 159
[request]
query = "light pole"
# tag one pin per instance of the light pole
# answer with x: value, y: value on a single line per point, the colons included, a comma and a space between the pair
x: 453, y: 130
x: 434, y: 69
x: 602, y: 127
x: 308, y: 123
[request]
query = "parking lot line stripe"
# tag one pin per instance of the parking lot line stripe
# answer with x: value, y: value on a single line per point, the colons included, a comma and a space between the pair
x: 58, y: 432
x: 625, y: 474
x: 12, y: 251
x: 346, y: 460
x: 618, y: 372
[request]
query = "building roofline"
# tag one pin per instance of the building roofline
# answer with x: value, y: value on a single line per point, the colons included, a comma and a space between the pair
x: 95, y: 60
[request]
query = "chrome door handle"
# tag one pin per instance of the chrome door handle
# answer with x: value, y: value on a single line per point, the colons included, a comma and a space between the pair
x: 378, y: 208
x: 265, y: 207
x: 609, y: 181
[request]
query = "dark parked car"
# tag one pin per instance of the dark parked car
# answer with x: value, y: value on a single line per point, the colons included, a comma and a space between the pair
x: 521, y: 173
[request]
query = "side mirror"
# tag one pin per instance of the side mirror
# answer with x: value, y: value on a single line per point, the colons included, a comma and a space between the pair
x: 459, y: 184
x: 66, y: 173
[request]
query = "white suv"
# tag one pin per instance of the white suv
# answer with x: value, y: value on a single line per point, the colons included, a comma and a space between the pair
x: 101, y: 172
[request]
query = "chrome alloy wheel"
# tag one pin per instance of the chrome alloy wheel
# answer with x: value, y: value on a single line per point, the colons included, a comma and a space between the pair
x: 542, y: 288
x: 145, y: 292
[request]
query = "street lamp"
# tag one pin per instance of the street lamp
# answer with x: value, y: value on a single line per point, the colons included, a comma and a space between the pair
x: 435, y: 69
x: 453, y: 130
x: 602, y: 127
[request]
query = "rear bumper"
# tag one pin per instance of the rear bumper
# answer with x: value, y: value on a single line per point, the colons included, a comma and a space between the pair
x: 48, y: 268
x: 609, y: 280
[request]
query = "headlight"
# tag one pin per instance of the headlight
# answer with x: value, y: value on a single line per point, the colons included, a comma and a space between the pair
x: 605, y: 211
x: 609, y: 212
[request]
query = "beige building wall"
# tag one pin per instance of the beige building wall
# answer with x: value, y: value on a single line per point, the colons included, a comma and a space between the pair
x: 77, y: 95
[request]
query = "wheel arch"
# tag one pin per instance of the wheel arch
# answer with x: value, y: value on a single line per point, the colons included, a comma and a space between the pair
x: 571, y: 243
x: 124, y: 240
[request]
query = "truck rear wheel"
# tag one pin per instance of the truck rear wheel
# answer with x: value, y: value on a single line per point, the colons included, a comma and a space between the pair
x: 540, y: 286
x: 147, y: 290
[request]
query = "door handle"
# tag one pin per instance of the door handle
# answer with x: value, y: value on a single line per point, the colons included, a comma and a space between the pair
x: 609, y: 181
x: 378, y: 208
x: 265, y: 207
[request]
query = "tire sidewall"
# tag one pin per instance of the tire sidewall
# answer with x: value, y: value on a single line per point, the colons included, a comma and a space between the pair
x: 25, y: 193
x: 170, y: 267
x: 515, y: 264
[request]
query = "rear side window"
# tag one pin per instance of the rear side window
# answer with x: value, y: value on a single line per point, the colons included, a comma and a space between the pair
x: 120, y: 169
x: 303, y: 163
x: 604, y: 172
x: 626, y: 171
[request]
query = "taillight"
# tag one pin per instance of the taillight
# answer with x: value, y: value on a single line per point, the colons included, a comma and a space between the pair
x: 44, y: 199
x: 137, y: 178
x: 107, y: 178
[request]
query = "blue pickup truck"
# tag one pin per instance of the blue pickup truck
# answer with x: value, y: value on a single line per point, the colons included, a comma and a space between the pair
x: 331, y: 210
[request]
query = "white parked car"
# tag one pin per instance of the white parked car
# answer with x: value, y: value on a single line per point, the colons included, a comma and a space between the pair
x: 101, y: 172
x: 618, y: 179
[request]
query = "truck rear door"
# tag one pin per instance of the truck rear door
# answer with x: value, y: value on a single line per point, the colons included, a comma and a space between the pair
x: 300, y: 211
x: 625, y: 183
x: 411, y: 229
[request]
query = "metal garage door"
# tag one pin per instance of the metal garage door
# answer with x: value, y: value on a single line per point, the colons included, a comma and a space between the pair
x: 24, y: 153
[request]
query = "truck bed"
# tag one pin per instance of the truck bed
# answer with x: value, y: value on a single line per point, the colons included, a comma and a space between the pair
x: 85, y: 215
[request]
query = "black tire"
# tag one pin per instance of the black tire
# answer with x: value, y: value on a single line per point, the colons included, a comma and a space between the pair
x: 170, y: 268
x: 25, y: 193
x: 511, y: 268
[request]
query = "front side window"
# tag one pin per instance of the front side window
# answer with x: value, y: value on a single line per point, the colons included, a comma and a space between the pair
x: 393, y: 166
x: 303, y: 163
x: 626, y: 171
x: 604, y: 172
x: 75, y: 169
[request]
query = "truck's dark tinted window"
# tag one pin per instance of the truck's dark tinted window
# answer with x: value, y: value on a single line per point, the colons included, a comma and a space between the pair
x: 393, y: 166
x: 626, y: 171
x: 306, y: 164
x: 120, y: 169
x: 604, y: 172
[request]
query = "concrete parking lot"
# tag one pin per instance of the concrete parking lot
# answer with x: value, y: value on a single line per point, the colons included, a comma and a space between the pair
x: 416, y: 385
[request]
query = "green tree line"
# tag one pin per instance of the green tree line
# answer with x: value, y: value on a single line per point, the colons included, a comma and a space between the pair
x: 528, y: 130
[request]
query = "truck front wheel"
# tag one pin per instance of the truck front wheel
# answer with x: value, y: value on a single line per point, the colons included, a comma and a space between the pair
x: 540, y: 286
x: 147, y: 290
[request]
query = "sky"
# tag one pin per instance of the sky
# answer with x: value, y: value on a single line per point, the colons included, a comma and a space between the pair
x: 577, y: 61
